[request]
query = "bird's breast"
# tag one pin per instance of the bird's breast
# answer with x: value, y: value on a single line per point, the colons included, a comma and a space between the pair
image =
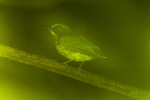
x: 72, y: 54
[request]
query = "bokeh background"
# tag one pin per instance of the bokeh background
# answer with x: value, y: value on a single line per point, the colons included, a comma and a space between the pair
x: 120, y: 27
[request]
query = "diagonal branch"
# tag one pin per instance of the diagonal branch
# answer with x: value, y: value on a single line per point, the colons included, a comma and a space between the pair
x: 81, y: 75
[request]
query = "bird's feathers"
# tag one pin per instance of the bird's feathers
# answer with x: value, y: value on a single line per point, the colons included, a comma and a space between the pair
x: 82, y: 45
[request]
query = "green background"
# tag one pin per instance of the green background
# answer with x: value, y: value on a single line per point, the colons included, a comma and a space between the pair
x: 120, y: 27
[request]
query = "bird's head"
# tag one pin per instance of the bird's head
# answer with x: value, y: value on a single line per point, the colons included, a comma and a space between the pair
x: 58, y: 30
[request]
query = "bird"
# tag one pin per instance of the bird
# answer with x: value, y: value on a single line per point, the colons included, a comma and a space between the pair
x: 74, y: 47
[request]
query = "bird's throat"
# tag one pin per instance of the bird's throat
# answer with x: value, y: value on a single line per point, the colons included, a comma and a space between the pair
x: 55, y: 36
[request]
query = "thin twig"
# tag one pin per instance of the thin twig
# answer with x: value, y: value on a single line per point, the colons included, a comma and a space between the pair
x: 81, y: 75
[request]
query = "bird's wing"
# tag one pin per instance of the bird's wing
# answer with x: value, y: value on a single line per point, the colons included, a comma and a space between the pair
x: 82, y: 45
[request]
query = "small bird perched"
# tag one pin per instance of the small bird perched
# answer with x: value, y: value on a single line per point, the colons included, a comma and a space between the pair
x: 72, y: 46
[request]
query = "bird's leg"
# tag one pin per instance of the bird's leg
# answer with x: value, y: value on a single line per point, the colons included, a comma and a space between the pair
x: 81, y: 65
x: 67, y: 62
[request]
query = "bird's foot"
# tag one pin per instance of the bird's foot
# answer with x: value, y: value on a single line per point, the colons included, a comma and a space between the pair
x: 67, y: 62
x: 81, y: 65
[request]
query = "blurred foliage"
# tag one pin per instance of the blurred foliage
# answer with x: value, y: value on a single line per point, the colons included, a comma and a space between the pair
x: 120, y: 28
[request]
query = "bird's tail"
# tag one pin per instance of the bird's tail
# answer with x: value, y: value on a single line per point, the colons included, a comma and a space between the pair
x: 108, y: 61
x: 102, y: 58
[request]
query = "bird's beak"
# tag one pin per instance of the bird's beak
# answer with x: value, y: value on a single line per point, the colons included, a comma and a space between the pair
x: 50, y: 29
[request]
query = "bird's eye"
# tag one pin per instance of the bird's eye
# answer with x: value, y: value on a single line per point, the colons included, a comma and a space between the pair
x: 59, y: 27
